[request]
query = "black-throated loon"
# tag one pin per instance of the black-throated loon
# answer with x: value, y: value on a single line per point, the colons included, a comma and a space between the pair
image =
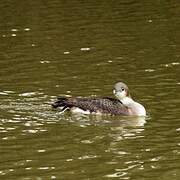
x: 123, y: 105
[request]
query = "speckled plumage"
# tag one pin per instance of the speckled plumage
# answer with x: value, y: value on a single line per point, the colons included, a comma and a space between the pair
x: 98, y: 105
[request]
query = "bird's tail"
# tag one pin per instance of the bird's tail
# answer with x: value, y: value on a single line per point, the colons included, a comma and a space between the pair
x: 61, y: 102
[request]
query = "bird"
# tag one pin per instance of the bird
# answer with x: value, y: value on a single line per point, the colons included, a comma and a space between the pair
x: 123, y: 104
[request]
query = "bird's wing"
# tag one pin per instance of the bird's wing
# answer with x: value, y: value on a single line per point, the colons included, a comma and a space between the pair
x: 103, y: 105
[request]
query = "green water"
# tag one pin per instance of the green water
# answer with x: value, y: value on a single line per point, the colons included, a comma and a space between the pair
x: 81, y: 48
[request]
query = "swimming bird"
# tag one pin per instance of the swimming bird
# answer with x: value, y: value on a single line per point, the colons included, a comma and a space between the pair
x: 122, y: 105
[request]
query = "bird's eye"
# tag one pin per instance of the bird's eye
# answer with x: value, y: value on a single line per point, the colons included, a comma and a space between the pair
x: 122, y: 89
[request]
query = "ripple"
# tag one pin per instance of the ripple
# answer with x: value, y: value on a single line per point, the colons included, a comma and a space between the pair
x: 27, y: 29
x: 156, y: 158
x: 69, y: 160
x: 85, y: 49
x: 31, y: 131
x: 44, y: 62
x: 30, y: 94
x: 149, y: 70
x: 14, y: 30
x: 46, y: 168
x: 9, y: 138
x: 41, y: 150
x: 28, y: 168
x: 53, y: 177
x: 117, y: 174
x: 9, y: 92
x: 3, y: 131
x: 171, y: 64
x: 122, y: 153
x: 66, y: 52
x: 87, y: 141
x: 87, y: 157
x: 3, y: 93
x: 13, y: 35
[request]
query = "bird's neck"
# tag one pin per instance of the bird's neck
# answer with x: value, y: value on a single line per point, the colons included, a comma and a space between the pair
x: 127, y: 101
x: 134, y: 107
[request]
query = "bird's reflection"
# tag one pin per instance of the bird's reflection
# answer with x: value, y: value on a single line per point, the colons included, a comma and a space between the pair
x: 114, y: 121
x: 120, y: 127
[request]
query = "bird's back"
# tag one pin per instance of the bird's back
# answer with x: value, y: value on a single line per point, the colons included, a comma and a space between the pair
x: 97, y: 105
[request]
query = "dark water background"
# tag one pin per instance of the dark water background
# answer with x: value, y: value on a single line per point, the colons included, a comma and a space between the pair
x: 51, y: 48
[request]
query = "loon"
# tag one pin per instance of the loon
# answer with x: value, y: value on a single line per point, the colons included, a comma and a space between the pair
x: 122, y: 105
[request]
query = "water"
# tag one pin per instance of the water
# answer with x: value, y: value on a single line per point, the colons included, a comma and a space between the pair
x: 82, y: 48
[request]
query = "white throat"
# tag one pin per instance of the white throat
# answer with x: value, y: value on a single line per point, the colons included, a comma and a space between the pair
x: 135, y: 108
x: 127, y: 101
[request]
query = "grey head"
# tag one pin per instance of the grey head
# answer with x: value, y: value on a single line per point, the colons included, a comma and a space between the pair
x: 121, y: 90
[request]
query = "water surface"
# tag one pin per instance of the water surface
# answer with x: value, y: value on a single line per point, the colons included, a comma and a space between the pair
x: 82, y: 48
